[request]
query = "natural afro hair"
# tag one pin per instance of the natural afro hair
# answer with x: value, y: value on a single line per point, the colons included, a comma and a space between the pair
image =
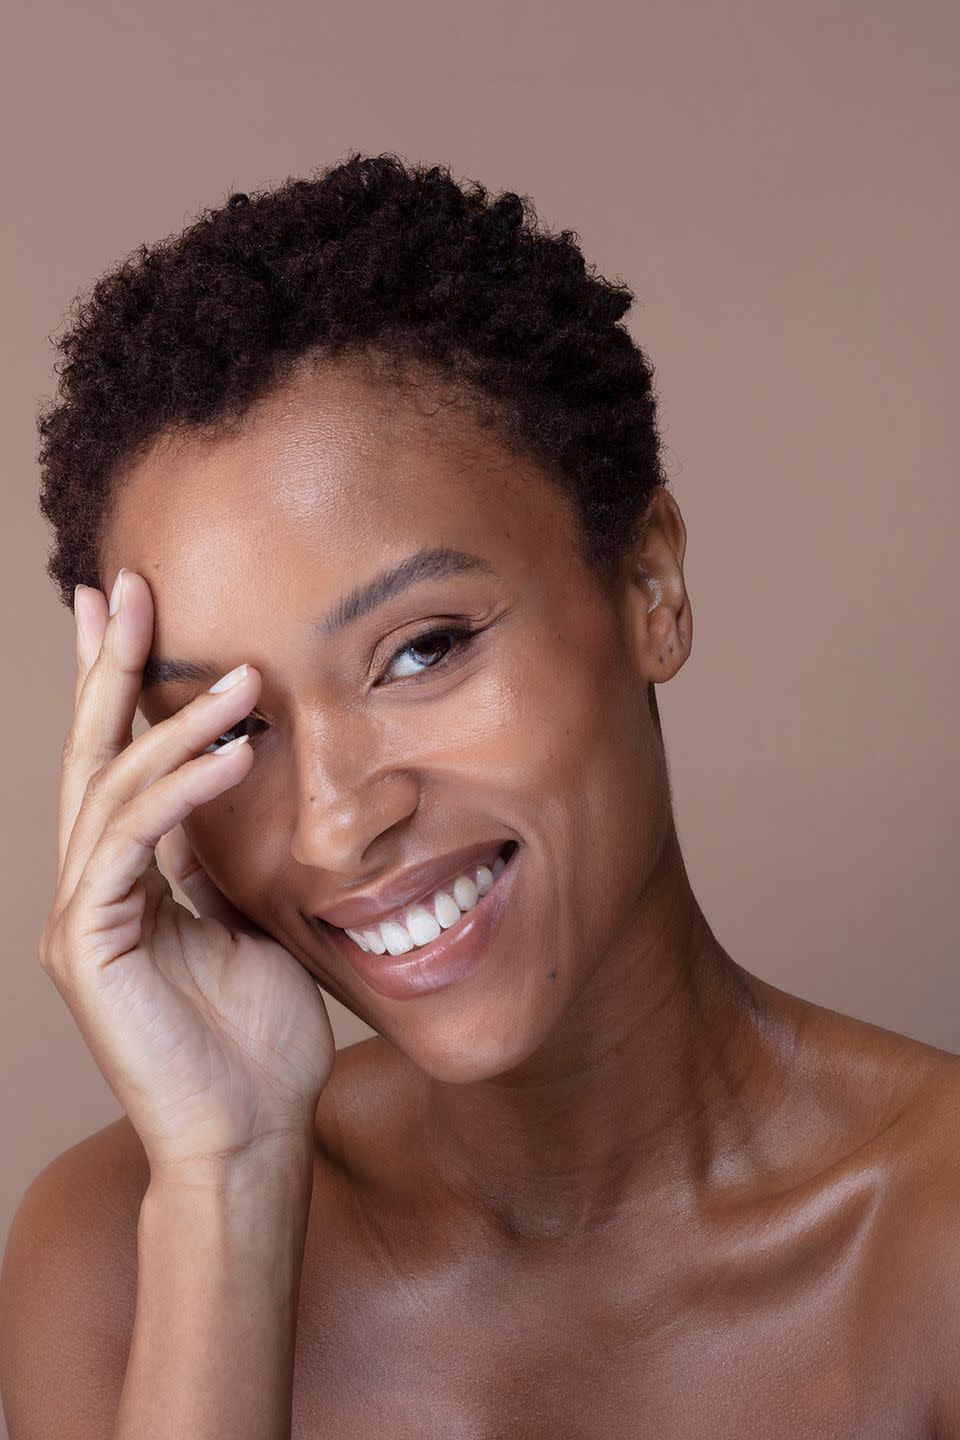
x: 369, y: 256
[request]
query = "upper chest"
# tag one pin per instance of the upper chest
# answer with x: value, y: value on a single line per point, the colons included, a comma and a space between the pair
x: 788, y: 1314
x: 772, y: 1326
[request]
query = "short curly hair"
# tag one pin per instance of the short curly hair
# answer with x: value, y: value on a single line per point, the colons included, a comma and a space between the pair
x: 370, y: 256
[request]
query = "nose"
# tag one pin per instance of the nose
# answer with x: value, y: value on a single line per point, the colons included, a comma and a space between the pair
x: 344, y: 801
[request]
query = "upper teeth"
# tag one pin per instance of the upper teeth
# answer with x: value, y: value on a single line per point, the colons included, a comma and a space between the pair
x: 423, y: 922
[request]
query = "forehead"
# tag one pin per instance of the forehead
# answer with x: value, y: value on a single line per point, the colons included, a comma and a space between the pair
x: 330, y: 477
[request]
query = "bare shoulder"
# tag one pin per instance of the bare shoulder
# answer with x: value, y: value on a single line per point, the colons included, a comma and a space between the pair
x: 68, y: 1287
x: 923, y: 1237
x: 864, y: 1077
x: 86, y: 1202
x: 894, y: 1098
x: 68, y: 1283
x: 897, y: 1100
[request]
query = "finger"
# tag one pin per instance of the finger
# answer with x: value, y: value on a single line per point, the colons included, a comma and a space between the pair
x: 103, y: 719
x: 162, y: 748
x: 90, y: 614
x: 181, y: 866
x: 128, y: 844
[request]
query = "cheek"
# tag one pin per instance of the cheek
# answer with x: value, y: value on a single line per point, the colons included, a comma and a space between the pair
x: 232, y: 841
x: 575, y: 749
x: 551, y: 721
x: 550, y: 734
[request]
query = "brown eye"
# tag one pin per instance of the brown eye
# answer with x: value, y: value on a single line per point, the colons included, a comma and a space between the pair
x: 242, y: 727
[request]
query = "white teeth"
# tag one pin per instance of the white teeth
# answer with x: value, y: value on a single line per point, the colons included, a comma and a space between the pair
x: 425, y: 922
x: 465, y: 892
x: 423, y: 926
x: 396, y: 938
x: 446, y: 910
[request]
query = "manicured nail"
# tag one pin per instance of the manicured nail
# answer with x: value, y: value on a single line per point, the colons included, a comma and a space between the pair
x: 233, y: 677
x: 231, y: 745
x: 116, y: 594
x: 78, y: 618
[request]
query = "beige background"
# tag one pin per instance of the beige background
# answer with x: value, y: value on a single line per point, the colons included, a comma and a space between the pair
x: 776, y: 183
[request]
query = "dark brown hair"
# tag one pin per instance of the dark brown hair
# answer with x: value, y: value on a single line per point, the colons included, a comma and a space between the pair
x: 368, y: 256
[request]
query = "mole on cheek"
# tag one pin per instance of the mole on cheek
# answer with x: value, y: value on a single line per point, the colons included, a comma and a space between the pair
x: 231, y: 808
x: 551, y: 974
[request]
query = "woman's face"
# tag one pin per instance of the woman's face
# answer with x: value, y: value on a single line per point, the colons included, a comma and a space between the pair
x: 373, y: 755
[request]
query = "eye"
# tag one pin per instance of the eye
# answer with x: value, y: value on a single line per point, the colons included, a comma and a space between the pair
x: 241, y: 728
x: 454, y: 637
x: 438, y: 646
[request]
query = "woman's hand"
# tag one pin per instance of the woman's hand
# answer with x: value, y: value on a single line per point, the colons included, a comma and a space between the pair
x: 212, y: 1036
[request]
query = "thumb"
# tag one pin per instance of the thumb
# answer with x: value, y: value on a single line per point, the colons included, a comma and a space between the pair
x: 181, y: 866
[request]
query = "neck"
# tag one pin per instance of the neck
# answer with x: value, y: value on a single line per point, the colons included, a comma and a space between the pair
x: 664, y: 1067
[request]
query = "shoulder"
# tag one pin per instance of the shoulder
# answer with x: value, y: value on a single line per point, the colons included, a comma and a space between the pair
x: 68, y: 1282
x: 858, y: 1087
x: 68, y: 1287
x: 923, y: 1238
x: 892, y: 1101
x: 84, y: 1202
x: 906, y: 1097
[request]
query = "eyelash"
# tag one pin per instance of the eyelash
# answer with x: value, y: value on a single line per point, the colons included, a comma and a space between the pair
x: 462, y: 636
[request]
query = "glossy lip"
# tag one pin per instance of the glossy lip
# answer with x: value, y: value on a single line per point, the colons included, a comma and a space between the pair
x: 452, y: 956
x: 412, y: 885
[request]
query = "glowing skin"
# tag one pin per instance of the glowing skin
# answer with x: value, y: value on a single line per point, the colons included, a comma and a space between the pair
x: 539, y: 730
x: 607, y: 1099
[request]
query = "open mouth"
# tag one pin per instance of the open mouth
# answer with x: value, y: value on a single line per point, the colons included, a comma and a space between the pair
x: 422, y: 923
x: 439, y: 940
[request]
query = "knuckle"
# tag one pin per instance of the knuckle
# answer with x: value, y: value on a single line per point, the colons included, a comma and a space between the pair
x: 99, y: 780
x: 75, y: 753
x: 49, y: 964
x: 49, y: 948
x: 119, y: 833
x: 70, y: 750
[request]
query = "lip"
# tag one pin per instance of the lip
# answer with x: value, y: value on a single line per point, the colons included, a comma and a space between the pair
x: 410, y: 885
x: 454, y: 955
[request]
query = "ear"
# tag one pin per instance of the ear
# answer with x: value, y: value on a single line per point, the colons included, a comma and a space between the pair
x: 658, y: 621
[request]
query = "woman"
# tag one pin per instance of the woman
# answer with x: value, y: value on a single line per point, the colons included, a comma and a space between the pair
x: 371, y: 474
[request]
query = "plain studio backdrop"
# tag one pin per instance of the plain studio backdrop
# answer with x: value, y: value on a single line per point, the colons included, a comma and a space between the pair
x: 776, y: 183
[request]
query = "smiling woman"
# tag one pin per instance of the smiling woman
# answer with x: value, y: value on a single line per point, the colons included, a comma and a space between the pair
x: 375, y: 449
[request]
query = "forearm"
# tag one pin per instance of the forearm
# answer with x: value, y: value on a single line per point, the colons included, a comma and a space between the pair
x: 218, y: 1283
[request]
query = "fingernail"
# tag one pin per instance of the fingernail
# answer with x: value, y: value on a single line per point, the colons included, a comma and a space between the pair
x: 232, y: 745
x: 233, y: 677
x: 116, y: 594
x: 79, y: 620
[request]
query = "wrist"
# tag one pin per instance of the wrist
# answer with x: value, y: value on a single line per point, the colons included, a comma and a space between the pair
x: 278, y: 1164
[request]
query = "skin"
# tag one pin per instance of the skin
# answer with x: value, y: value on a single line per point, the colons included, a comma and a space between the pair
x: 610, y: 1183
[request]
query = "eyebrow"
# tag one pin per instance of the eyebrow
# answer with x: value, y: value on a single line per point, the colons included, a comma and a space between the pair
x: 439, y: 562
